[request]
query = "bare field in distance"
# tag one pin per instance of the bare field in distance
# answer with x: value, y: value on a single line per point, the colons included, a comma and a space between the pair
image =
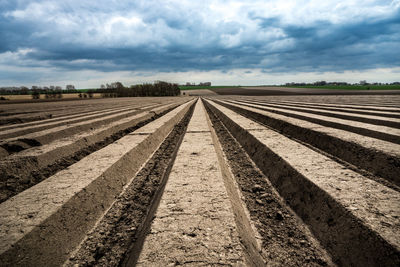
x: 43, y: 96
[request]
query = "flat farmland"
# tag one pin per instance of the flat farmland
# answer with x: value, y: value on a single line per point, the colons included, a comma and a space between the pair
x: 279, y: 90
x: 28, y: 98
x: 215, y: 180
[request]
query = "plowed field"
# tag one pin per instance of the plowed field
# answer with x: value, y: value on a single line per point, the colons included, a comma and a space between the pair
x: 201, y: 181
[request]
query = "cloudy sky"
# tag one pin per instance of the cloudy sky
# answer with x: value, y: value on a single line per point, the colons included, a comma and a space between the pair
x: 227, y: 42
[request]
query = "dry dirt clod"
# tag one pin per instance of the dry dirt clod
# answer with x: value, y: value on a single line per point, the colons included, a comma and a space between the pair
x: 279, y: 216
x: 257, y: 188
x: 303, y: 242
x: 259, y: 202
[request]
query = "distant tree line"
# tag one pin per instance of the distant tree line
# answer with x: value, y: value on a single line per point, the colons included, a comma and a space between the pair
x: 159, y: 88
x: 322, y: 83
x: 115, y: 89
x: 50, y: 92
x: 23, y: 90
x: 200, y: 84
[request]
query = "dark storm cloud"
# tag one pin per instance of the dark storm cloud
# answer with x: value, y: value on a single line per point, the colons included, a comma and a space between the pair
x: 148, y: 35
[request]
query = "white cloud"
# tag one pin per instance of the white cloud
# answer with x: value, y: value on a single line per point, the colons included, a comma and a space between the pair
x: 16, y: 58
x: 126, y: 23
x: 186, y: 34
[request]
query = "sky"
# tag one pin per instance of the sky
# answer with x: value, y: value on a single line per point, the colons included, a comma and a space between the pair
x: 226, y: 42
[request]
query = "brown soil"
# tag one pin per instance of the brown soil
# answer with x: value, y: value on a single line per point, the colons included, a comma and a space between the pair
x: 56, y: 113
x: 379, y: 164
x: 271, y: 91
x: 22, y: 119
x: 349, y: 239
x: 194, y: 223
x: 123, y: 225
x: 280, y: 228
x: 49, y: 135
x: 73, y: 106
x: 299, y: 222
x: 57, y: 121
x: 372, y: 112
x: 25, y: 173
x: 359, y: 130
x: 355, y: 117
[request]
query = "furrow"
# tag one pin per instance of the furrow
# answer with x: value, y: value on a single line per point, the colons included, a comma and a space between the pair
x: 25, y: 118
x: 64, y: 115
x: 52, y: 123
x: 58, y: 212
x: 122, y: 225
x: 376, y: 120
x: 354, y: 218
x: 380, y: 132
x: 29, y: 167
x: 270, y: 231
x: 194, y: 222
x: 20, y: 143
x: 326, y: 103
x: 330, y: 108
x: 376, y: 156
x: 61, y: 109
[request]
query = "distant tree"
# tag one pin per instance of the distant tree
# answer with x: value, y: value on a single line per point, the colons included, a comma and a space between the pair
x: 117, y: 85
x: 70, y: 87
x: 319, y: 83
x: 24, y: 90
x: 35, y: 94
x: 90, y: 93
